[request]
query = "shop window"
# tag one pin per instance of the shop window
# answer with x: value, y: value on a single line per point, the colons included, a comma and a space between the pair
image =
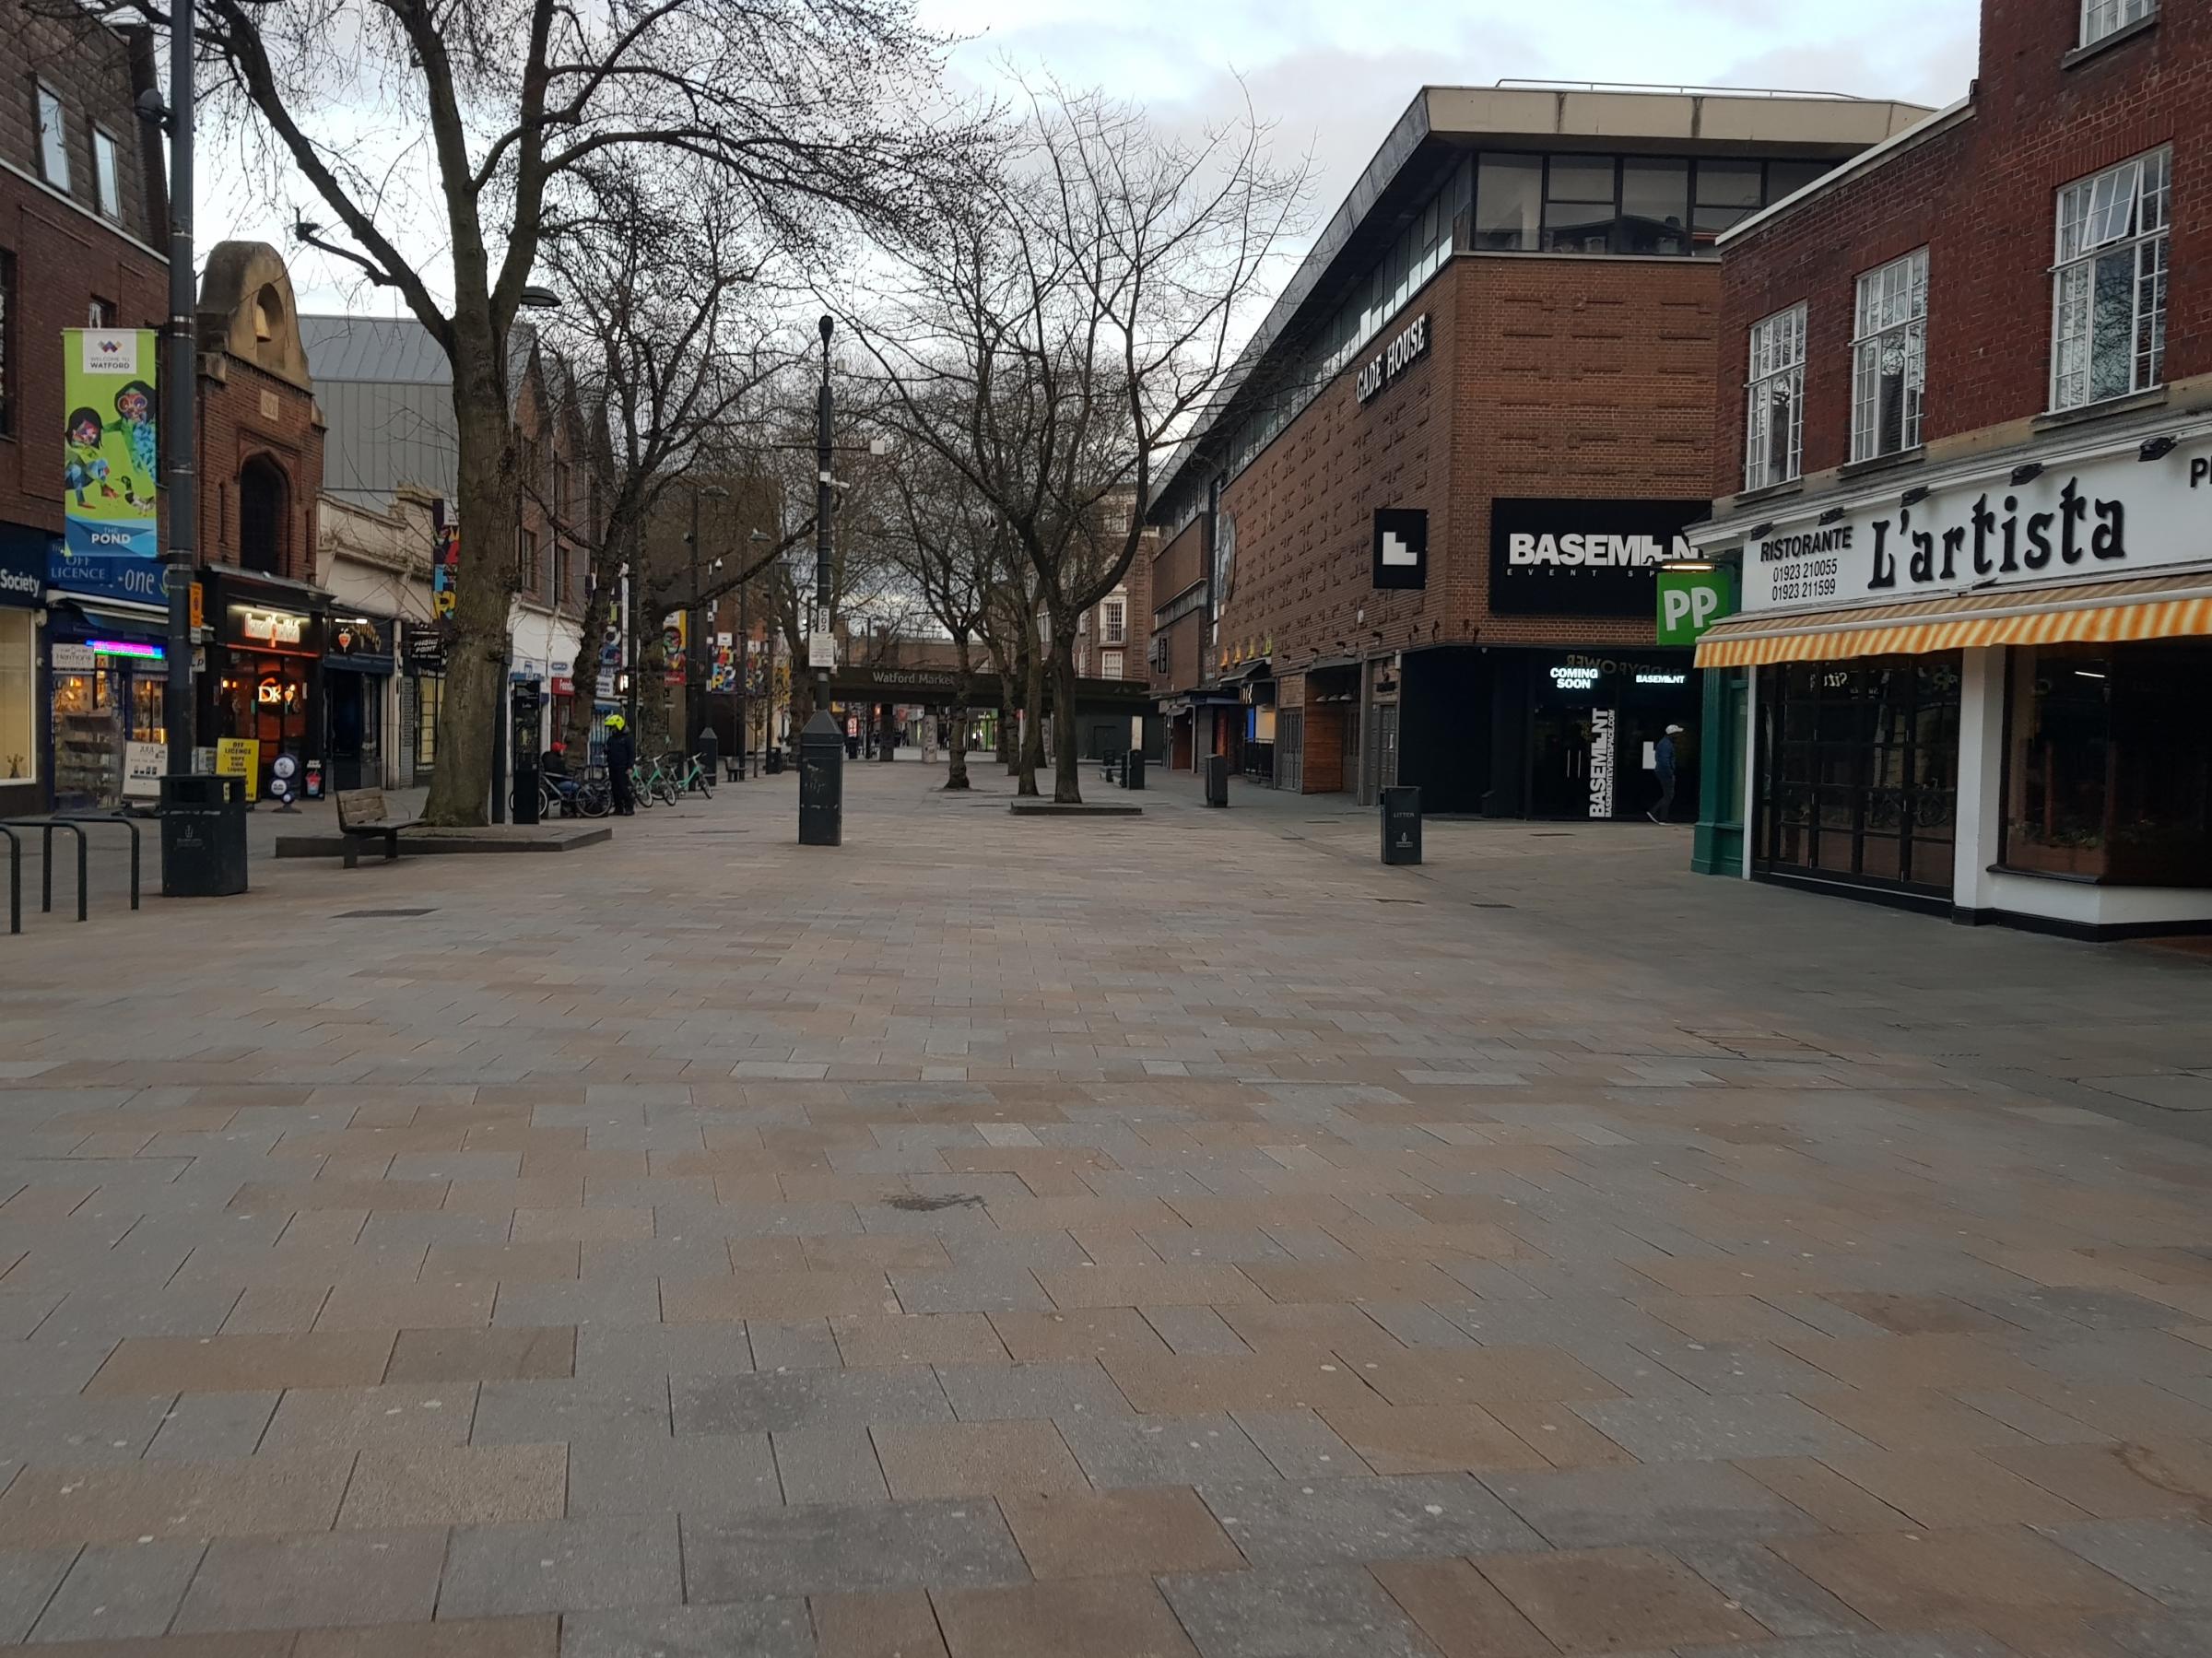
x: 1888, y: 357
x: 261, y: 496
x: 2109, y: 288
x: 2108, y: 778
x: 1859, y: 770
x: 107, y: 173
x: 2103, y: 17
x: 53, y: 137
x: 18, y: 685
x: 1774, y: 407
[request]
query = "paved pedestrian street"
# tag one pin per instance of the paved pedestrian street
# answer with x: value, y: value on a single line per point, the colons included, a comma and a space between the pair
x: 1112, y: 1239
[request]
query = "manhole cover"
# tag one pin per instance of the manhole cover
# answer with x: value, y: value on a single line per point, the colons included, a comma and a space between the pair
x: 380, y: 914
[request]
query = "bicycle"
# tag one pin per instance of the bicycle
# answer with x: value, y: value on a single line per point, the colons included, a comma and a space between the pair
x: 651, y: 782
x: 691, y: 774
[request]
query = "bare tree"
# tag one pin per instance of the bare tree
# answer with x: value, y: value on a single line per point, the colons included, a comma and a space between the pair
x: 1052, y: 335
x: 673, y: 347
x: 802, y: 109
x: 952, y: 544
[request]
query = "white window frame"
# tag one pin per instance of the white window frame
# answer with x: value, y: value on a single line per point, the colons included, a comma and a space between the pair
x: 1777, y: 364
x: 2100, y: 18
x: 1113, y: 621
x: 54, y: 136
x: 2120, y: 220
x: 107, y: 173
x: 1890, y: 334
x: 1110, y: 665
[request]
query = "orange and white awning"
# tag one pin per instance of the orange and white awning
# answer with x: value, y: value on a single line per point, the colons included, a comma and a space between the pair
x: 2134, y: 607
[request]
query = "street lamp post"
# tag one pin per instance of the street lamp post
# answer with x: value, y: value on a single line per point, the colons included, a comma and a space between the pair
x: 695, y: 693
x: 180, y: 441
x: 823, y: 744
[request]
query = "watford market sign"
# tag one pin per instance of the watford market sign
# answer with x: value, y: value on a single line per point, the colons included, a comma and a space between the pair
x: 2111, y: 515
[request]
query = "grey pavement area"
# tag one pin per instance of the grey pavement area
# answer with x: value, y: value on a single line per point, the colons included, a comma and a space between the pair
x: 1174, y: 1235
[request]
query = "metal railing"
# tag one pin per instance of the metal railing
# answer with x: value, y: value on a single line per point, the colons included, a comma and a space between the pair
x: 1538, y: 84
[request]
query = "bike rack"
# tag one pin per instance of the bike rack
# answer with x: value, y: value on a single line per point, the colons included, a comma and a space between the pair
x: 15, y: 879
x: 120, y: 822
x: 46, y: 826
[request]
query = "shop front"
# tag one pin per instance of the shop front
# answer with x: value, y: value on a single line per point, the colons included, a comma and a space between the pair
x: 265, y: 683
x: 421, y: 695
x: 357, y: 670
x: 1985, y: 697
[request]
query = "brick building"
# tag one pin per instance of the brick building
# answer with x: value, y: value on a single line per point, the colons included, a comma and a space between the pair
x: 1416, y: 542
x: 83, y: 217
x: 1963, y: 452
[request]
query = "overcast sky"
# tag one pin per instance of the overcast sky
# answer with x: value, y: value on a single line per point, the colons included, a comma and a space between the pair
x: 1334, y: 74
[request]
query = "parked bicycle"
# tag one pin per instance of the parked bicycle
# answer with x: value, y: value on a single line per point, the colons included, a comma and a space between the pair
x: 691, y: 774
x: 653, y: 780
x: 590, y: 796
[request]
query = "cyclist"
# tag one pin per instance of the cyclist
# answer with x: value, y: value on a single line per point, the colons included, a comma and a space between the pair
x: 621, y: 754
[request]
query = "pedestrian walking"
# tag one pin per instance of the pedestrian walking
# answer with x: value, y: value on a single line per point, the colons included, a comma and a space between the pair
x: 1663, y: 761
x: 621, y: 754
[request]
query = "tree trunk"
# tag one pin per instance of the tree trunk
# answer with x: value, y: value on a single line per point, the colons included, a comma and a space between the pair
x: 956, y: 763
x: 1003, y: 744
x: 1067, y: 789
x: 1033, y: 724
x: 490, y: 501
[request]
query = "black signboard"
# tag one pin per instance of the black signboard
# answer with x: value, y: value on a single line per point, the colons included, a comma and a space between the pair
x: 1401, y: 546
x: 1552, y: 557
x: 425, y: 649
x: 23, y: 554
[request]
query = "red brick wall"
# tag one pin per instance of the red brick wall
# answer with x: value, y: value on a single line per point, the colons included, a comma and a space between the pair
x: 1569, y: 377
x: 246, y: 414
x: 1173, y: 567
x: 90, y: 67
x: 1983, y: 199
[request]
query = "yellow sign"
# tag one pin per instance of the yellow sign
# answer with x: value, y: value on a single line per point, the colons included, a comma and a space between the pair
x: 240, y: 757
x: 199, y: 606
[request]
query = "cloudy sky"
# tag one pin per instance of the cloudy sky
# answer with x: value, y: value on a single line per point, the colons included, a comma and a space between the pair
x: 1334, y: 74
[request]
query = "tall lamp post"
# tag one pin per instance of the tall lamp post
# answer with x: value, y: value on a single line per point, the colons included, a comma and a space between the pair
x: 745, y: 656
x: 181, y: 439
x: 695, y: 689
x: 822, y: 745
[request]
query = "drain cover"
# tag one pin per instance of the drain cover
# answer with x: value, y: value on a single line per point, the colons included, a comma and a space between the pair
x: 379, y: 914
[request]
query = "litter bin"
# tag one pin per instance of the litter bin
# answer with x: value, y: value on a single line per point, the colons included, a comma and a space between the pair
x: 822, y: 753
x: 1402, y: 826
x: 203, y: 836
x: 1216, y: 780
x: 1137, y: 769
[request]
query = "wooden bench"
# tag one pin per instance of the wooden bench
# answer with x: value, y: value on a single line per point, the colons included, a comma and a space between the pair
x: 363, y: 814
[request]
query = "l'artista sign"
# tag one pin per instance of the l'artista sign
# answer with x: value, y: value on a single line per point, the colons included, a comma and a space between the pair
x: 2114, y: 515
x: 1382, y: 369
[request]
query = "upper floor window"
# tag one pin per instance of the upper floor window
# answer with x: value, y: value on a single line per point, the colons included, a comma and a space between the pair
x: 2100, y: 17
x: 101, y: 313
x: 107, y: 173
x: 1888, y: 357
x: 2108, y: 283
x: 1774, y: 405
x: 1115, y: 621
x: 1110, y: 665
x: 525, y: 559
x: 53, y: 137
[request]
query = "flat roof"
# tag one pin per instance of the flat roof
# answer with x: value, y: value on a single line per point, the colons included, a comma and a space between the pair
x: 1442, y: 124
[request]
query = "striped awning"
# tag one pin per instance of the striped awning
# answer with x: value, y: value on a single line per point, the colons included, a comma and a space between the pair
x: 2092, y: 612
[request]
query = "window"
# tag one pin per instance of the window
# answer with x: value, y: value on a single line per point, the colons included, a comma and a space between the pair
x: 18, y: 685
x: 1859, y: 768
x: 1115, y: 621
x: 1774, y: 408
x: 1110, y: 665
x: 1728, y: 193
x: 1654, y: 208
x: 53, y: 140
x: 1509, y: 193
x: 100, y: 313
x: 1888, y: 357
x: 525, y: 559
x: 2102, y: 781
x: 7, y: 345
x: 107, y: 173
x: 2109, y: 286
x: 2103, y: 17
x: 1579, y: 204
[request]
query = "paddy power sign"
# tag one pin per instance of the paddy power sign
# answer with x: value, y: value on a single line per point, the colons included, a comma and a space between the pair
x: 111, y: 462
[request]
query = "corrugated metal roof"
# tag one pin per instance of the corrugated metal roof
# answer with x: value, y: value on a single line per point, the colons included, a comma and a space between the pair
x: 389, y: 350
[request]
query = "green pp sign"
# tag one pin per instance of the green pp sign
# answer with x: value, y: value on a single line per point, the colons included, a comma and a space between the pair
x: 1690, y: 601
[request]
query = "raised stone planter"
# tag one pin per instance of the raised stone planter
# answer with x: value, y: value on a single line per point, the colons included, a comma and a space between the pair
x: 445, y: 842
